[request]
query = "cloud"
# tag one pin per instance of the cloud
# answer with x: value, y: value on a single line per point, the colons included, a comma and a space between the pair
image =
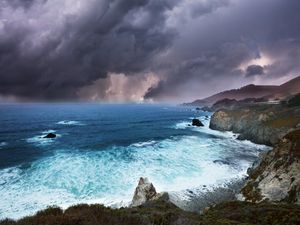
x: 68, y: 49
x: 53, y: 48
x: 253, y: 70
x: 212, y: 48
x: 119, y: 88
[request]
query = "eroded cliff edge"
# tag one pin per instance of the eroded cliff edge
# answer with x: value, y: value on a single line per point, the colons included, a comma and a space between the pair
x: 276, y: 176
x: 262, y: 124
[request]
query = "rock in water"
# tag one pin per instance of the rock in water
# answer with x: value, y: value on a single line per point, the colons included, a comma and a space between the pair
x: 197, y: 123
x: 145, y: 192
x: 50, y: 135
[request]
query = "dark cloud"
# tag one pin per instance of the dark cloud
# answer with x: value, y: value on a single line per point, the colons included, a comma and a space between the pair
x: 217, y: 49
x: 253, y: 70
x: 68, y: 49
x: 49, y: 52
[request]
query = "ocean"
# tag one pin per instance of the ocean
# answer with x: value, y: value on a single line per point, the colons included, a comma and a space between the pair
x: 101, y: 150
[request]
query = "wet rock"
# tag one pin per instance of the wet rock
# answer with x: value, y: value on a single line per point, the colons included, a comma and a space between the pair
x: 197, y: 123
x: 220, y: 161
x: 50, y: 135
x: 241, y: 137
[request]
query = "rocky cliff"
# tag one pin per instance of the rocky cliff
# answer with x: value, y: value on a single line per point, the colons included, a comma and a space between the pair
x: 262, y: 124
x: 277, y: 176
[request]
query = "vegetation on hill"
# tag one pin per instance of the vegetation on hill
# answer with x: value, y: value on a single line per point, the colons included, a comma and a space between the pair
x: 165, y: 213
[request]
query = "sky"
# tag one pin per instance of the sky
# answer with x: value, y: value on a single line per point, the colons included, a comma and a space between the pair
x: 144, y: 50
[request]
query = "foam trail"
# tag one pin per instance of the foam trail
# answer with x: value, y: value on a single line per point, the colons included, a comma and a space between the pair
x: 70, y: 123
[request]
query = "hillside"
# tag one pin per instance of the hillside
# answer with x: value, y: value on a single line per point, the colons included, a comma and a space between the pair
x: 253, y: 91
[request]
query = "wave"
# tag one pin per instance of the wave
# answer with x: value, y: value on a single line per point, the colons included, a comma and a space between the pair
x: 70, y: 123
x: 2, y: 144
x: 109, y: 176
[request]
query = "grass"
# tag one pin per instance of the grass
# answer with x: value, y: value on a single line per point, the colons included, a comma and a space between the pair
x: 286, y: 121
x: 250, y: 213
x: 164, y: 213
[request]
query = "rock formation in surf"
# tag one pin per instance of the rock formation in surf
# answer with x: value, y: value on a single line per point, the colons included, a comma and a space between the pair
x: 145, y: 192
x: 197, y: 123
x: 50, y: 135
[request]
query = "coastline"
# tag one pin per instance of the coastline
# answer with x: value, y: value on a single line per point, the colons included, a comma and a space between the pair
x: 218, y: 206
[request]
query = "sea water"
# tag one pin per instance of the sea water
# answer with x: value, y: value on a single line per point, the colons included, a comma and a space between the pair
x: 101, y: 150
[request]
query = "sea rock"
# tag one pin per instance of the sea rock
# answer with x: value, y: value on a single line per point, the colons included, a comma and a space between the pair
x: 197, y: 123
x: 277, y: 175
x: 50, y: 135
x: 241, y: 137
x: 145, y: 192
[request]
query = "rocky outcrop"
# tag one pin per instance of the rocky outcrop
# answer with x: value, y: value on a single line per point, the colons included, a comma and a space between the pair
x: 50, y: 135
x: 145, y: 192
x: 277, y: 177
x: 260, y: 124
x: 197, y: 123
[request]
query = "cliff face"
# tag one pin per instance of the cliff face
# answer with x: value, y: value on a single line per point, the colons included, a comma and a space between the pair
x: 262, y: 124
x: 277, y: 176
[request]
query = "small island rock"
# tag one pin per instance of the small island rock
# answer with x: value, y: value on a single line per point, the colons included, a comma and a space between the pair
x: 197, y: 123
x: 50, y: 135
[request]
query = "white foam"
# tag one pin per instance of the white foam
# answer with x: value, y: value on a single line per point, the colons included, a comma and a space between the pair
x: 142, y: 144
x: 70, y: 123
x: 110, y: 176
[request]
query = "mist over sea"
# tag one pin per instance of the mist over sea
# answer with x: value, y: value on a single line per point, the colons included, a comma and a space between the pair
x: 101, y: 150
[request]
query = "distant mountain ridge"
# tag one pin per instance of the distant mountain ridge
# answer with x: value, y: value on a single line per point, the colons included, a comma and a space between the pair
x: 253, y: 91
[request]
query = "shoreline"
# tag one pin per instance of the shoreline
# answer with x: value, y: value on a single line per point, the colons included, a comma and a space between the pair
x: 220, y: 202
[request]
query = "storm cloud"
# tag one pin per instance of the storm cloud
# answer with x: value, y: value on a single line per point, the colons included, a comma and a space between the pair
x: 253, y: 70
x: 161, y: 50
